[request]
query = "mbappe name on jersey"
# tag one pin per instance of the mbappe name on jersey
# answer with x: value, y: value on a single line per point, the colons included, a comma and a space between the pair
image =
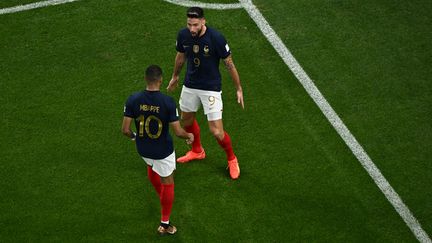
x: 150, y: 108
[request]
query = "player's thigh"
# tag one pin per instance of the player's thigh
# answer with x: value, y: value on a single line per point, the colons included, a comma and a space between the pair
x: 189, y: 100
x: 168, y: 180
x: 187, y: 118
x: 212, y: 104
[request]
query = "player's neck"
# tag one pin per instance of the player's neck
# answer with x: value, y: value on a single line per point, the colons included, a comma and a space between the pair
x: 152, y: 88
x: 204, y: 29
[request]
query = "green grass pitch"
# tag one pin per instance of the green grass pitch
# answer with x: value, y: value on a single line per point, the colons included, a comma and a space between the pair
x: 68, y: 175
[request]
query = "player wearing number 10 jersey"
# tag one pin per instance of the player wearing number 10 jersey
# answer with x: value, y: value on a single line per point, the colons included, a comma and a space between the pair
x: 153, y: 113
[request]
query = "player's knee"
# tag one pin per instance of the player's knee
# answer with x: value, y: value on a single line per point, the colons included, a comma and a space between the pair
x: 217, y: 133
x: 168, y: 180
x: 187, y: 120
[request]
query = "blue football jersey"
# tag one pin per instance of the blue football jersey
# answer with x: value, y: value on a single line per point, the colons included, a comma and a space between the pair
x: 203, y: 55
x: 152, y: 112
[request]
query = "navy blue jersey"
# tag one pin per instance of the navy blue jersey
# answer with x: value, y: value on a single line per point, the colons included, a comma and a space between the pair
x: 152, y: 112
x: 203, y: 55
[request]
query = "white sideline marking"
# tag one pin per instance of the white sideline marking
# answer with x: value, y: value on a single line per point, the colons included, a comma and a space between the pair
x: 336, y: 122
x: 331, y: 116
x: 29, y: 6
x: 188, y: 3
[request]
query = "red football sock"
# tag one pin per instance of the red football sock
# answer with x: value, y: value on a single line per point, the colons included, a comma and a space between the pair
x: 166, y: 200
x: 195, y: 130
x: 154, y: 179
x: 225, y: 143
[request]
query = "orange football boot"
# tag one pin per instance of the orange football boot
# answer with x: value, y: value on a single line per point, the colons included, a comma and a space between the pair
x: 191, y: 155
x: 234, y: 168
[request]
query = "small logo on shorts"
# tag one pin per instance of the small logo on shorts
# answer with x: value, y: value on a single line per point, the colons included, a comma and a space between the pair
x: 212, y: 100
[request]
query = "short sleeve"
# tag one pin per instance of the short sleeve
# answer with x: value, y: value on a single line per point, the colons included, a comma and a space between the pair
x: 128, y: 108
x: 179, y: 45
x: 222, y: 47
x: 172, y: 111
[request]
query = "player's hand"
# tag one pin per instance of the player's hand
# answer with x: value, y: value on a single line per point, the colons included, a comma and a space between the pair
x: 240, y: 97
x: 173, y: 84
x: 190, y: 138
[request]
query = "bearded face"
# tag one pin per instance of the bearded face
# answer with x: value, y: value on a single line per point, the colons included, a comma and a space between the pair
x: 195, y: 26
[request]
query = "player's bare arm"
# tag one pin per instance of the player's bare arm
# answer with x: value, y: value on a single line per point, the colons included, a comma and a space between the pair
x: 229, y: 64
x: 180, y: 59
x: 126, y: 127
x: 181, y: 133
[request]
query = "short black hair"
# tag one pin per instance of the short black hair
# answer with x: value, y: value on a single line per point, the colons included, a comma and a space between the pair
x: 153, y: 73
x: 195, y: 12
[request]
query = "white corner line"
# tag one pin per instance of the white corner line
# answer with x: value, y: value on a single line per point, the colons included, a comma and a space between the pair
x: 329, y: 113
x: 29, y: 6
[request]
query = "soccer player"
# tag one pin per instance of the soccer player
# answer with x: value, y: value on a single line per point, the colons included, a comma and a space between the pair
x: 152, y: 112
x: 203, y: 48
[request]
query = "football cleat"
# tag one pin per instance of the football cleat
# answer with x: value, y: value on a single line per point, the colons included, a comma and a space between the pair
x: 234, y: 168
x: 191, y: 155
x: 170, y: 230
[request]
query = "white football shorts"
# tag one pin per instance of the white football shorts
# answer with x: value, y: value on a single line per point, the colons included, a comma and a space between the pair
x: 164, y: 167
x: 191, y: 100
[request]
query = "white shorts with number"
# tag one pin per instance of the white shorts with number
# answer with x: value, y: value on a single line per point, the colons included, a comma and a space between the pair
x: 164, y: 167
x: 191, y: 100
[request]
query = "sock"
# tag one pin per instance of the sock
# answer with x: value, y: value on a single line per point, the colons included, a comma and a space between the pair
x: 225, y: 143
x: 154, y: 179
x: 165, y: 224
x: 195, y: 130
x: 166, y: 200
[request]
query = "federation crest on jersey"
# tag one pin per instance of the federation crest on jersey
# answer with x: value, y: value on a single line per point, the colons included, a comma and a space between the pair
x: 195, y: 49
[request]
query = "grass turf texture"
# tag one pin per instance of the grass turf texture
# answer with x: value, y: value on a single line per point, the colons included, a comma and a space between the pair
x: 69, y: 175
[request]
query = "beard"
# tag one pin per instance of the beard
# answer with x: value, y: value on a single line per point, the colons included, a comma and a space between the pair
x: 196, y: 34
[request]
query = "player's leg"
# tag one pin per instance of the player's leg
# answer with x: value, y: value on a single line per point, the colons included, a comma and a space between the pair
x: 189, y: 104
x: 213, y: 106
x: 155, y: 179
x: 190, y: 125
x: 166, y: 200
x: 224, y: 140
x: 165, y: 169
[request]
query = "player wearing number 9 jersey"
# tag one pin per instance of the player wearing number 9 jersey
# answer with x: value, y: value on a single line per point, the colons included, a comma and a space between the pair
x: 153, y: 113
x: 202, y: 48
